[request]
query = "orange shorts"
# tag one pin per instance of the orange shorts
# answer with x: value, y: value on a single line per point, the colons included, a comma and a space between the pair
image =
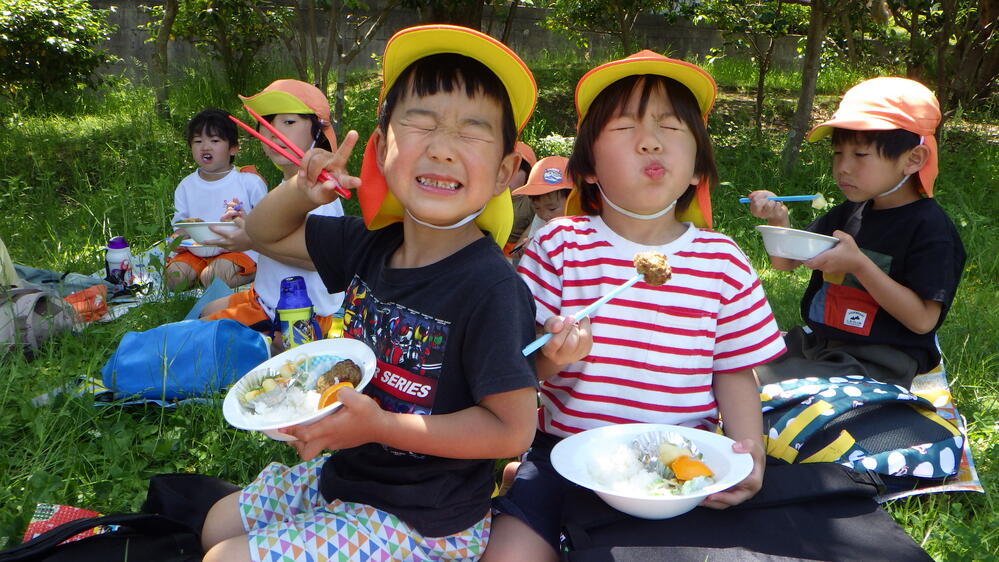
x: 246, y: 265
x: 243, y: 307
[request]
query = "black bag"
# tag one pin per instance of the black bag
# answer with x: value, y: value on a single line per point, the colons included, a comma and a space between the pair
x: 168, y: 530
x: 817, y: 511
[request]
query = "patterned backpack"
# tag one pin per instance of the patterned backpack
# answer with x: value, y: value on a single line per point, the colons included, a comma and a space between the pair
x: 862, y: 424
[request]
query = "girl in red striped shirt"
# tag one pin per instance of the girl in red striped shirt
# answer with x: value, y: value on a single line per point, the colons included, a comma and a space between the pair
x: 681, y: 353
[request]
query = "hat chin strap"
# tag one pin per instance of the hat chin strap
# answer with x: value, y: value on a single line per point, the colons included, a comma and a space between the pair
x: 896, y: 188
x: 458, y: 224
x: 922, y: 140
x: 628, y: 213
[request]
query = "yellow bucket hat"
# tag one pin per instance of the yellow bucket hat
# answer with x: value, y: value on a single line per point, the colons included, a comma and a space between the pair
x: 379, y: 207
x: 699, y: 82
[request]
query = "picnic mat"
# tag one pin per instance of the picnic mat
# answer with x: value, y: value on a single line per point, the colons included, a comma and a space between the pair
x: 934, y: 387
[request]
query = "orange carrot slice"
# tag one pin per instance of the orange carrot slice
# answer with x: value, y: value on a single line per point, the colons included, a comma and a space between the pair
x: 687, y: 468
x: 329, y: 395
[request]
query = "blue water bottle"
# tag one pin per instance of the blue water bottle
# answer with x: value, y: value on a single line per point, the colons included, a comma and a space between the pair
x: 296, y: 318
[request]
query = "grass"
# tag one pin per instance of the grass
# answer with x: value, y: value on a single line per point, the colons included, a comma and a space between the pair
x: 107, y: 165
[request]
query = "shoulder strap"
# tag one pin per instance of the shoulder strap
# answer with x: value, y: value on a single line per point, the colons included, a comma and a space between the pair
x: 42, y: 544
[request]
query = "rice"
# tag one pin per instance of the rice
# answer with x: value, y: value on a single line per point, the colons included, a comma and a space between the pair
x: 296, y: 403
x: 620, y: 471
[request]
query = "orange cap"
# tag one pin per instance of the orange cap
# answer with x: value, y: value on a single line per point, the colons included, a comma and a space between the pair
x: 546, y: 176
x: 526, y: 153
x: 699, y: 82
x: 293, y: 96
x: 884, y: 104
x: 379, y: 207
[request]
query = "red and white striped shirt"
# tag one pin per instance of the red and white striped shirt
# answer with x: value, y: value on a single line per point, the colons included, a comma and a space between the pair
x: 655, y: 349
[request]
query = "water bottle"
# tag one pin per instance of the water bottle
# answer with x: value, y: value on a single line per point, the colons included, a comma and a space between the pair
x: 118, y: 262
x: 295, y: 314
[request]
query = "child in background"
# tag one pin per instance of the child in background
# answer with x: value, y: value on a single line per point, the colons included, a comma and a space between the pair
x: 548, y: 188
x: 206, y: 194
x: 681, y: 353
x: 302, y: 113
x: 523, y: 214
x: 432, y: 295
x: 877, y: 298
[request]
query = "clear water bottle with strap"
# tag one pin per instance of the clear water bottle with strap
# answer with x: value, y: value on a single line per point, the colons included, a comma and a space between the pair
x: 118, y: 262
x: 296, y: 317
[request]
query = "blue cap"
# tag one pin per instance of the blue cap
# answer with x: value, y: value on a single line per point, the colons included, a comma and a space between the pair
x: 293, y: 294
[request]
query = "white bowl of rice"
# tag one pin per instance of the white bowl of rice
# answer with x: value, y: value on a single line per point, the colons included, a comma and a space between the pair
x: 300, y: 406
x: 604, y: 461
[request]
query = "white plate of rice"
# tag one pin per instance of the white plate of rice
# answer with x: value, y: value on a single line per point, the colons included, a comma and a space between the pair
x: 595, y: 460
x: 300, y: 407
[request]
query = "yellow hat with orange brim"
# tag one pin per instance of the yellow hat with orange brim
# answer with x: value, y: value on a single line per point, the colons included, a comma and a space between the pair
x: 884, y: 104
x: 379, y: 207
x: 700, y: 84
x: 293, y: 96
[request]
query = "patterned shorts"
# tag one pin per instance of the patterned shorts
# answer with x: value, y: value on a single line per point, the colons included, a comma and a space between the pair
x: 288, y: 520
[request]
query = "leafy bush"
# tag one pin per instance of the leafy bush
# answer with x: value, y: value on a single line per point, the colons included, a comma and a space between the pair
x: 50, y: 46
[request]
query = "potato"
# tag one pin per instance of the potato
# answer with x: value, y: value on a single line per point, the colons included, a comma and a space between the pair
x: 669, y: 452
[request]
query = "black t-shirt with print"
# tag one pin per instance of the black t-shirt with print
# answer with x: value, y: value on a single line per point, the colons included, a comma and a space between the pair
x: 445, y: 336
x: 918, y: 246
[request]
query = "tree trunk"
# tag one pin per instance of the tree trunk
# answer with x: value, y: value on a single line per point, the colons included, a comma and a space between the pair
x: 160, y: 63
x: 458, y: 12
x: 761, y: 83
x: 818, y: 24
x: 508, y: 26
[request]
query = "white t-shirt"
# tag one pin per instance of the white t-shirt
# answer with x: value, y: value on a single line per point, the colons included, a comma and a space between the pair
x: 197, y: 198
x: 655, y: 349
x: 270, y: 272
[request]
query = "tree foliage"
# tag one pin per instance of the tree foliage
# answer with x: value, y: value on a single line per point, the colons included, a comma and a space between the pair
x: 615, y: 18
x: 231, y: 31
x: 754, y: 27
x: 50, y: 46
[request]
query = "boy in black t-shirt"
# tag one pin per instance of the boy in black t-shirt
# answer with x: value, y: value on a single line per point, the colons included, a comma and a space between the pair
x: 876, y: 299
x: 431, y: 293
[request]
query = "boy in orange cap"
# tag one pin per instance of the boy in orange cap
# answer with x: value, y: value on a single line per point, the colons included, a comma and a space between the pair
x: 428, y: 289
x: 547, y: 188
x: 876, y: 299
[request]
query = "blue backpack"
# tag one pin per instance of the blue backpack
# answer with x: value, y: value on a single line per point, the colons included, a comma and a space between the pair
x: 186, y: 359
x: 862, y: 424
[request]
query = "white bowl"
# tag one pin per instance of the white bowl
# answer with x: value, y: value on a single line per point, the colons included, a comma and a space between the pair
x: 201, y: 250
x: 794, y: 244
x: 572, y: 456
x: 344, y: 348
x: 200, y: 232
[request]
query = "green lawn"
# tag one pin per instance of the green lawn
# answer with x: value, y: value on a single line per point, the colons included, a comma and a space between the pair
x: 107, y: 165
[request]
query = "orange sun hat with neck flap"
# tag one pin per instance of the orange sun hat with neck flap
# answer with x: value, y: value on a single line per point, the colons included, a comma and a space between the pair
x: 379, y: 207
x: 699, y: 82
x: 293, y: 96
x: 888, y: 103
x: 547, y: 175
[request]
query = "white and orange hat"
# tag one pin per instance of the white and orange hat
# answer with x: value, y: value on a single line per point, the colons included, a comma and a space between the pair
x: 293, y: 96
x: 546, y: 176
x: 888, y: 103
x: 379, y: 207
x: 526, y: 153
x: 699, y: 82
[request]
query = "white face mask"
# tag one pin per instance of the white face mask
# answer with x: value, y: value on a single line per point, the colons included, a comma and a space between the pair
x: 628, y: 213
x: 458, y: 224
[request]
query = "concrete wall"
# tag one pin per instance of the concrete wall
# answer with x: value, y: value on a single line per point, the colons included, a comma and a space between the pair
x: 528, y: 38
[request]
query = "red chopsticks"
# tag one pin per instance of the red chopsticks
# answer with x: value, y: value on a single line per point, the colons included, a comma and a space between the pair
x: 294, y: 158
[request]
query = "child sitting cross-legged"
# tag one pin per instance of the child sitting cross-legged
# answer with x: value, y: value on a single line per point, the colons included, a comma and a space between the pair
x: 877, y: 298
x: 205, y: 195
x: 428, y: 289
x: 680, y: 353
